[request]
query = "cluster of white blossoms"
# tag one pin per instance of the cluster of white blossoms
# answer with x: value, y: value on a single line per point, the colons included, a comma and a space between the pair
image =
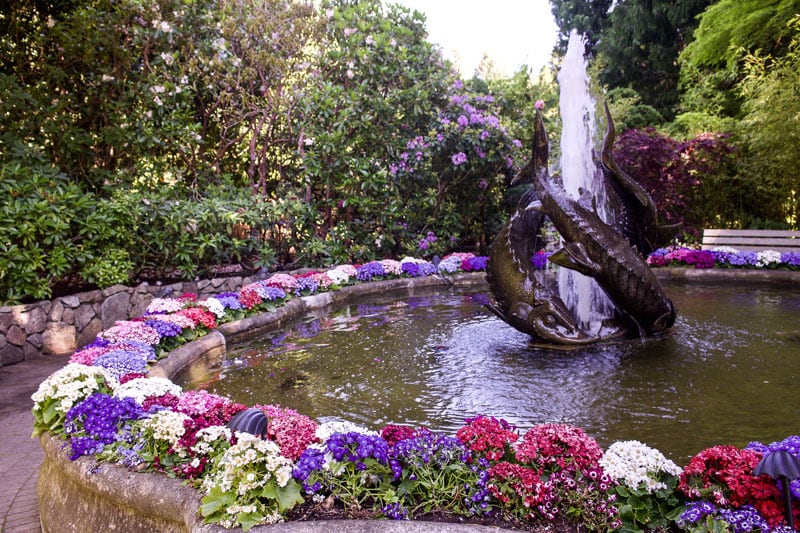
x: 248, y: 465
x: 339, y: 275
x: 141, y: 388
x: 767, y: 257
x: 214, y: 306
x: 208, y: 437
x: 166, y: 425
x: 636, y: 465
x: 326, y: 429
x: 72, y: 384
x: 165, y: 305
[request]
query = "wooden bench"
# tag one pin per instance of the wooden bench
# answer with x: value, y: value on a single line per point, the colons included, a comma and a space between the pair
x: 754, y: 240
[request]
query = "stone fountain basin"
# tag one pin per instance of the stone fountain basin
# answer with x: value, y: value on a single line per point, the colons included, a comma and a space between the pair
x: 83, y: 495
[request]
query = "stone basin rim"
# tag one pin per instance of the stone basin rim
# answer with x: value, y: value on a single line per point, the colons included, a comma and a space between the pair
x: 83, y: 496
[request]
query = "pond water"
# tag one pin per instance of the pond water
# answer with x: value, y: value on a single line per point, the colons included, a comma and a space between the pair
x: 727, y: 373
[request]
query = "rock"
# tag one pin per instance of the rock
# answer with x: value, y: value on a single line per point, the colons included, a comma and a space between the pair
x: 11, y: 354
x: 114, y: 308
x: 36, y: 340
x: 56, y: 312
x: 59, y: 339
x: 34, y: 321
x: 114, y: 289
x: 89, y: 333
x: 71, y: 301
x: 83, y: 315
x: 16, y: 335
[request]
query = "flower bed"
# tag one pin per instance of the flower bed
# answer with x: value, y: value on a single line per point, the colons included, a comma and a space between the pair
x: 724, y: 257
x: 104, y: 406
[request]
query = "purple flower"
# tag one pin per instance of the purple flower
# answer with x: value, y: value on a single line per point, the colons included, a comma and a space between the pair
x: 312, y: 460
x: 93, y: 423
x: 395, y: 511
x: 230, y: 300
x: 477, y: 263
x: 306, y: 284
x: 743, y: 259
x: 426, y: 269
x: 163, y: 328
x: 370, y: 270
x: 458, y: 158
x: 121, y: 362
x: 463, y: 121
x: 696, y: 511
x: 410, y: 269
x: 791, y: 258
x: 539, y: 260
x: 356, y: 447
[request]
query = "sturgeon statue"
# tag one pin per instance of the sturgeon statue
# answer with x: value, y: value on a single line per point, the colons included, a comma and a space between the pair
x: 612, y: 254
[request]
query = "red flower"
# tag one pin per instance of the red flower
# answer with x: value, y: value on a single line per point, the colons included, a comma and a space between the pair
x: 487, y: 437
x: 249, y: 298
x: 559, y: 446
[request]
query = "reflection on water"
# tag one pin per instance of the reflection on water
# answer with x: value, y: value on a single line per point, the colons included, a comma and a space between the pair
x: 726, y: 374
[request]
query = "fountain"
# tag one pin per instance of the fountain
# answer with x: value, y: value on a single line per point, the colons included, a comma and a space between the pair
x: 678, y: 392
x: 608, y: 226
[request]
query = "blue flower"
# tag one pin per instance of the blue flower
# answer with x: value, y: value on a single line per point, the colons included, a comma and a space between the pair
x: 230, y: 300
x: 164, y: 329
x: 306, y: 284
x: 93, y: 423
x: 370, y: 270
x: 121, y: 362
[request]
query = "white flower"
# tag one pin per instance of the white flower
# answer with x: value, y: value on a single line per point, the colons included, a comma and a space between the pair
x: 391, y: 266
x: 768, y: 257
x: 72, y: 384
x: 107, y: 78
x: 165, y: 305
x: 326, y: 429
x: 141, y: 388
x: 213, y: 305
x: 635, y: 464
x: 167, y: 425
x: 167, y: 58
x: 338, y: 276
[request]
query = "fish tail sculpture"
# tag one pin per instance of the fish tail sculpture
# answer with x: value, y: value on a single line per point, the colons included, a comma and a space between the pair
x: 613, y: 257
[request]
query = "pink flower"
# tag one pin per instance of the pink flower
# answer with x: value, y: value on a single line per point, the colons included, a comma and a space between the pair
x: 282, y: 281
x: 539, y: 104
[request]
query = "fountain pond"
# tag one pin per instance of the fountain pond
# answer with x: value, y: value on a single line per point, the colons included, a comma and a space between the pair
x: 726, y: 373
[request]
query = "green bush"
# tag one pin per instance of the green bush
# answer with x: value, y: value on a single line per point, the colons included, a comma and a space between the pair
x: 40, y: 217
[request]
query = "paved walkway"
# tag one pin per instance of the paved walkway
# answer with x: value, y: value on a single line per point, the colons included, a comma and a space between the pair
x: 20, y: 455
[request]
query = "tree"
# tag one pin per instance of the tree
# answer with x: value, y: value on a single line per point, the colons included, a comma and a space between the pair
x: 640, y: 44
x: 375, y: 83
x: 771, y: 131
x: 711, y: 64
x: 588, y: 17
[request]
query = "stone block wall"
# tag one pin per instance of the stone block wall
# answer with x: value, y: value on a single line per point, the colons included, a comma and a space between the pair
x: 62, y: 325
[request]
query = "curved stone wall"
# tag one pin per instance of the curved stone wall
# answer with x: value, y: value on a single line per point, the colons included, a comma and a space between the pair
x: 83, y: 496
x: 62, y: 325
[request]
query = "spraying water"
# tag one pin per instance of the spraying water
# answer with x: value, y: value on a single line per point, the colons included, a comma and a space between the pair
x: 580, y: 175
